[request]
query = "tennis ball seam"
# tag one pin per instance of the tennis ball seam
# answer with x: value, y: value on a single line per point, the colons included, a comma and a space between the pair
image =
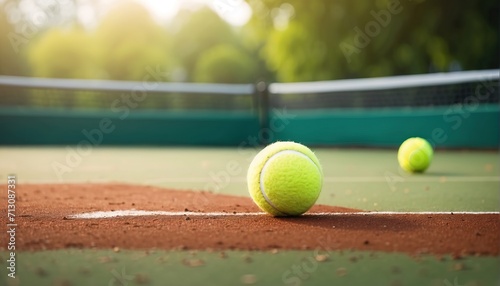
x: 263, y: 170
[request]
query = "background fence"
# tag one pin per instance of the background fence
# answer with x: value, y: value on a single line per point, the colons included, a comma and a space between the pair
x: 458, y: 110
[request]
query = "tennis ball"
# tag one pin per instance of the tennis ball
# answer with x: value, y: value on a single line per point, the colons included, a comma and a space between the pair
x: 415, y: 155
x: 285, y: 179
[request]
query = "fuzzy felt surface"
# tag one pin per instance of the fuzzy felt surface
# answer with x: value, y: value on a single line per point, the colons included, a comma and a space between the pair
x: 285, y: 178
x: 415, y: 155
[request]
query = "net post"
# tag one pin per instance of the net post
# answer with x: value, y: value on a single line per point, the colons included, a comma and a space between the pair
x: 262, y: 95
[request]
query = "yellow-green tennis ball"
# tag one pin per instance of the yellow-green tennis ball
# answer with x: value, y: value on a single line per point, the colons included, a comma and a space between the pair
x: 285, y: 179
x: 415, y: 155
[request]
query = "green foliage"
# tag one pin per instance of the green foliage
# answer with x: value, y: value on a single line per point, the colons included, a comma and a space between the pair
x: 11, y: 62
x: 129, y: 41
x: 63, y: 53
x: 198, y: 32
x: 285, y: 40
x: 296, y: 55
x: 125, y: 43
x: 319, y: 41
x: 225, y: 64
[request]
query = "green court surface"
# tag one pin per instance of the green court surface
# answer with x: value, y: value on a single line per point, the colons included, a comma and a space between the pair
x: 367, y: 179
x: 159, y: 267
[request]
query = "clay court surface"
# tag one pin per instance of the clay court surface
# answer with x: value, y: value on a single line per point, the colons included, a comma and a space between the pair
x: 147, y: 216
x: 46, y: 221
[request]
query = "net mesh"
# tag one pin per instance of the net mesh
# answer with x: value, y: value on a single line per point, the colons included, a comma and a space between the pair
x: 135, y: 100
x: 477, y: 87
x: 482, y: 91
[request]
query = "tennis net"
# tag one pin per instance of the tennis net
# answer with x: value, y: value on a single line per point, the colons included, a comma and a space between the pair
x: 425, y: 90
x: 439, y: 89
x: 106, y: 94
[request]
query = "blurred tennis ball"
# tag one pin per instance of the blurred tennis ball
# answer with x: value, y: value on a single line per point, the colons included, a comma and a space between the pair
x: 285, y: 179
x: 415, y: 155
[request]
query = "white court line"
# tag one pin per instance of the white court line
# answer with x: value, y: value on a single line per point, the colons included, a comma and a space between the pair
x: 132, y: 213
x: 401, y: 179
x: 442, y: 179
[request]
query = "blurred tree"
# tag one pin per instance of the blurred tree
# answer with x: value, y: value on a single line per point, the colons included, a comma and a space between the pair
x: 322, y: 40
x: 225, y: 64
x: 297, y: 55
x: 130, y: 41
x: 12, y: 62
x: 64, y: 53
x: 197, y: 32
